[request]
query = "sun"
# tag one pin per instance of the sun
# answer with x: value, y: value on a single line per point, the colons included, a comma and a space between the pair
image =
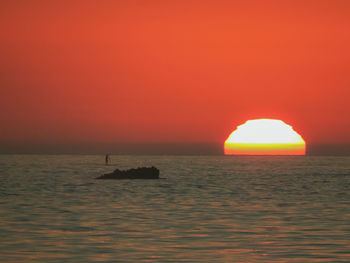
x: 265, y: 137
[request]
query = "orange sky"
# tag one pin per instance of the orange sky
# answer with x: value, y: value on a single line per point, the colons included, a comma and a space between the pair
x: 172, y: 71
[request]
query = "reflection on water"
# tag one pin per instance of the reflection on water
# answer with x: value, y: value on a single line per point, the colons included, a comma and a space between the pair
x: 210, y: 209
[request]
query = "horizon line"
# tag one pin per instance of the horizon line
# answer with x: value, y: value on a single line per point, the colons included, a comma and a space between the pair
x: 149, y: 148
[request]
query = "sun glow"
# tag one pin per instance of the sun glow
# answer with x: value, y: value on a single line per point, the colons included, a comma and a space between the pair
x: 265, y: 137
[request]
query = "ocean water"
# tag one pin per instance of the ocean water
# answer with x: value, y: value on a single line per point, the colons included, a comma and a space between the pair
x: 208, y: 209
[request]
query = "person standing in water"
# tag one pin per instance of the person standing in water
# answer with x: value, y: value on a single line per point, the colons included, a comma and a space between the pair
x: 107, y: 159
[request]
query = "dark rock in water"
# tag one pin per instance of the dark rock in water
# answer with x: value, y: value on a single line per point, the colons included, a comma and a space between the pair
x: 138, y: 173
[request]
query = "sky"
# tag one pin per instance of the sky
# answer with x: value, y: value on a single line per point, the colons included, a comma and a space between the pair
x: 172, y: 71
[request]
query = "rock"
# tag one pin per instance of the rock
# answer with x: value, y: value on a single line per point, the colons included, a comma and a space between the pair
x: 138, y: 173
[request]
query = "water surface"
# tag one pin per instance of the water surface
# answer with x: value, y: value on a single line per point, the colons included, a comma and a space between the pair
x: 209, y: 209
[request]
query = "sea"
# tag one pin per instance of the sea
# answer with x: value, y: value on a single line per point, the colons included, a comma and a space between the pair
x: 206, y: 209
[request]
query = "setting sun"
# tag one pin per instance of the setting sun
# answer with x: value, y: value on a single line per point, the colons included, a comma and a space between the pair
x: 264, y: 137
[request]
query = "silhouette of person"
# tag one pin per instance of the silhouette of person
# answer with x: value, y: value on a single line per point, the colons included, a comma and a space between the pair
x: 107, y: 159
